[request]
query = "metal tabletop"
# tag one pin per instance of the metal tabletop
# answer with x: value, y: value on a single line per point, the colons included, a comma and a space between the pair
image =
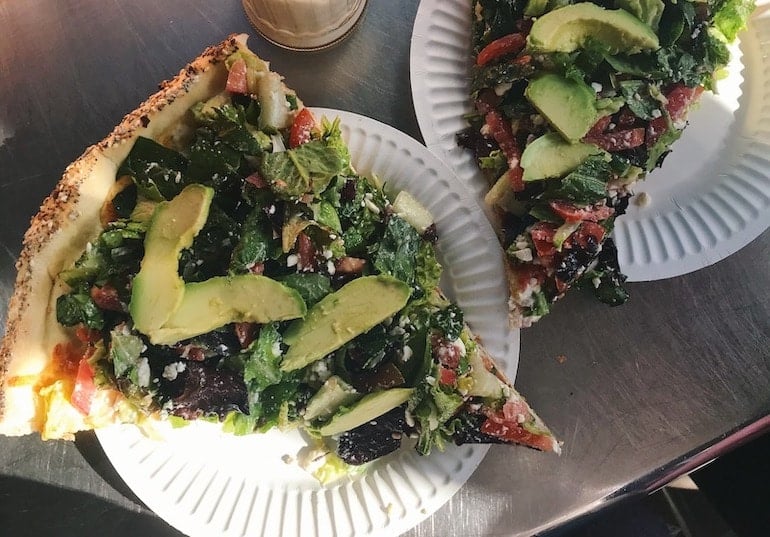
x: 639, y: 393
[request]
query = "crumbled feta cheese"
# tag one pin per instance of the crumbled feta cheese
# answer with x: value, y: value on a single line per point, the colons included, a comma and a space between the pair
x: 330, y: 268
x: 596, y: 87
x: 407, y: 353
x: 276, y: 348
x: 143, y: 373
x: 292, y: 260
x: 171, y: 371
x: 656, y: 113
x: 502, y: 89
x: 596, y: 281
x: 525, y: 254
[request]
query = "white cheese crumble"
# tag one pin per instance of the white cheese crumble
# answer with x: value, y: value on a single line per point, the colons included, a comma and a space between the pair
x: 143, y: 373
x: 292, y: 260
x: 502, y: 89
x: 656, y: 113
x: 596, y: 87
x: 171, y: 371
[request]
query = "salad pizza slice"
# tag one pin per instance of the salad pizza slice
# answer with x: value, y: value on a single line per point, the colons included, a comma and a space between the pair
x: 217, y: 257
x: 574, y: 103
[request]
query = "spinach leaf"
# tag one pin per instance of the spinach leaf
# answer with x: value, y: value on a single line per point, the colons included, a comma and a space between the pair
x: 639, y: 100
x: 489, y: 76
x: 115, y: 254
x: 256, y: 243
x: 78, y: 307
x: 360, y: 224
x: 311, y: 286
x: 263, y: 359
x: 324, y: 213
x: 368, y: 350
x: 159, y: 172
x: 210, y: 156
x: 585, y: 185
x: 449, y: 321
x: 306, y: 169
x: 211, y: 250
x: 397, y: 251
x: 427, y: 271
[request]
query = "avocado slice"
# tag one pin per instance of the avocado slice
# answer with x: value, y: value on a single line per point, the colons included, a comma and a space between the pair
x: 568, y: 105
x: 552, y: 156
x: 157, y: 289
x: 647, y: 11
x: 568, y: 28
x: 228, y: 299
x: 368, y: 408
x: 340, y: 316
x: 333, y: 394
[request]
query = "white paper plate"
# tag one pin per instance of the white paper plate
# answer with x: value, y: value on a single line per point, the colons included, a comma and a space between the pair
x: 712, y: 196
x: 206, y: 483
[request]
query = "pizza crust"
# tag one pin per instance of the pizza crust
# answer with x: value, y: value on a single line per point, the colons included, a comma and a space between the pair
x: 67, y: 220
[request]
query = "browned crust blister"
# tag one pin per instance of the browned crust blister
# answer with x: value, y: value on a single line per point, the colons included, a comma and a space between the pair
x: 69, y: 214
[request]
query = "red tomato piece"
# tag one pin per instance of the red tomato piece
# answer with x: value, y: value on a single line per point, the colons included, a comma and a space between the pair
x: 511, y: 431
x: 245, y: 332
x: 83, y: 393
x: 306, y: 252
x: 503, y: 135
x: 508, y: 44
x: 447, y: 377
x: 680, y: 97
x: 236, y: 78
x: 106, y: 297
x: 618, y: 140
x: 543, y: 231
x: 302, y: 128
x: 587, y: 232
x: 599, y: 127
x: 572, y: 213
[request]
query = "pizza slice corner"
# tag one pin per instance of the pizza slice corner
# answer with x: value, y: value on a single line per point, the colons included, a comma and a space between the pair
x: 217, y: 257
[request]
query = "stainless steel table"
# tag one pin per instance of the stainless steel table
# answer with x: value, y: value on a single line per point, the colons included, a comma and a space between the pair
x: 647, y: 391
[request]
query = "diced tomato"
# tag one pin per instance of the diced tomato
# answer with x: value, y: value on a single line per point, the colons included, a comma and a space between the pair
x: 83, y: 392
x: 511, y: 431
x: 257, y: 268
x: 447, y: 377
x: 236, y: 78
x: 501, y: 132
x: 445, y: 353
x: 508, y: 44
x: 543, y: 231
x: 544, y: 248
x: 618, y: 140
x: 572, y: 213
x: 587, y: 233
x: 526, y: 273
x: 87, y: 335
x: 302, y: 128
x: 513, y: 409
x: 599, y: 127
x: 106, y: 297
x: 680, y: 97
x: 626, y: 118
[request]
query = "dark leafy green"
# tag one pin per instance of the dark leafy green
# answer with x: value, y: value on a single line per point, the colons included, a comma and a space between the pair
x: 449, y: 321
x: 159, y: 172
x: 397, y: 251
x: 77, y: 307
x: 311, y: 286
